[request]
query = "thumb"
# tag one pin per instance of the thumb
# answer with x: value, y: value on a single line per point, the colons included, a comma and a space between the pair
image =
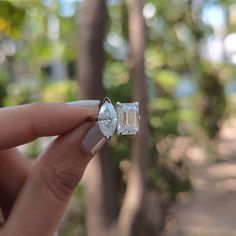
x: 46, y: 193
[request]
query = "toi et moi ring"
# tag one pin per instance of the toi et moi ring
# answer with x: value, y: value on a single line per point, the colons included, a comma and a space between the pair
x: 124, y: 118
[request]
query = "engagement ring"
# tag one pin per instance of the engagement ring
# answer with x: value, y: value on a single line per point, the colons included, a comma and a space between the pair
x: 124, y: 118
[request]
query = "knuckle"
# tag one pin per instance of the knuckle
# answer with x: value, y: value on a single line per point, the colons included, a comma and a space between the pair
x: 60, y: 180
x: 34, y: 108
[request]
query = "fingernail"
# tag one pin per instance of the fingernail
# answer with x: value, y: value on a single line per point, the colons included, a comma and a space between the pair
x: 93, y: 140
x: 84, y: 103
x: 56, y: 233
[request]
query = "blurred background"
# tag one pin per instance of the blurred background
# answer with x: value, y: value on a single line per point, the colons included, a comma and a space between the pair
x: 177, y: 58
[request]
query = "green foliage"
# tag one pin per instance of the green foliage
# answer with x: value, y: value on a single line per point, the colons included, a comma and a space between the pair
x: 164, y: 107
x: 21, y: 92
x: 213, y: 102
x: 115, y: 74
x: 167, y: 80
x: 33, y: 149
x: 60, y: 91
x: 11, y: 19
x: 30, y: 91
x: 120, y: 93
x: 3, y: 83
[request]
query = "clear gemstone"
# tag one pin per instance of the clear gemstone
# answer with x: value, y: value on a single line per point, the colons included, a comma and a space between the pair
x: 107, y: 119
x: 128, y: 118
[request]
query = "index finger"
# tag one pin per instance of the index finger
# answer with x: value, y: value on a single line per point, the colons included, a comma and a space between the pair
x: 22, y: 124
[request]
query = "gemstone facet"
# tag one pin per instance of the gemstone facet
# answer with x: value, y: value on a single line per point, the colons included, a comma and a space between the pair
x: 107, y: 118
x: 128, y: 118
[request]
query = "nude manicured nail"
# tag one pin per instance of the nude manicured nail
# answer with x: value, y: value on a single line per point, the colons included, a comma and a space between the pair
x: 84, y: 103
x: 93, y: 140
x: 56, y: 233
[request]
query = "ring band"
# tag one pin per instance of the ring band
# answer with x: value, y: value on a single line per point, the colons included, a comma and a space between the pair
x: 124, y: 118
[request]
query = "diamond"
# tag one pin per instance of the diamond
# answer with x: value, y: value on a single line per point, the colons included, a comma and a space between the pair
x: 128, y: 118
x: 107, y: 118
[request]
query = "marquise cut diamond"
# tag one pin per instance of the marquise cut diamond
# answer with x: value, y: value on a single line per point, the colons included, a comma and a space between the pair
x: 107, y: 119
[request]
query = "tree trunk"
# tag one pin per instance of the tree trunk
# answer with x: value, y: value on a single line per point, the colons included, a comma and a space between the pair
x: 99, y: 191
x: 133, y: 200
x: 92, y: 28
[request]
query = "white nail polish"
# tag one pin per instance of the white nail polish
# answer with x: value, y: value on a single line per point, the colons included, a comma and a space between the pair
x: 84, y: 103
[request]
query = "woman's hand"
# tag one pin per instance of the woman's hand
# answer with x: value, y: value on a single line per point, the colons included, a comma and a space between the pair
x: 33, y: 196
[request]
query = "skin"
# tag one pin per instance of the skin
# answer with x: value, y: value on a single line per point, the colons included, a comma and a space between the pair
x: 33, y: 196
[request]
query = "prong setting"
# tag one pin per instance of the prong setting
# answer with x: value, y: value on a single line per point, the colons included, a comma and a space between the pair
x: 124, y: 118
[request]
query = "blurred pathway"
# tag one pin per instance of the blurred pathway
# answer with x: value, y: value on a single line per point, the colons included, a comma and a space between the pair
x: 210, y: 209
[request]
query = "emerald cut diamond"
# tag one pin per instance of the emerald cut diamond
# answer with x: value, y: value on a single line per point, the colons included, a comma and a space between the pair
x: 128, y: 118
